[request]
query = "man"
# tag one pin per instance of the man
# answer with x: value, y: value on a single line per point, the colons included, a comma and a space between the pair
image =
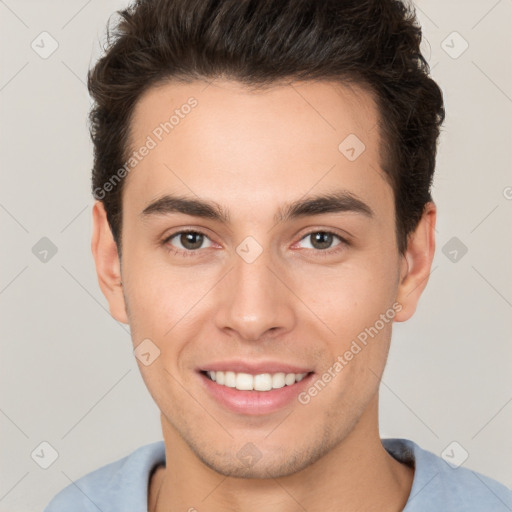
x: 262, y: 174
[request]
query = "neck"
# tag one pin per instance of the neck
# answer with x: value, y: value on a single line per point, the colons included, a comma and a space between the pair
x: 358, y: 474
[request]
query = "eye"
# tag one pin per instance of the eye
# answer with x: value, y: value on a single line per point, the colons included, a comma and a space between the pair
x: 322, y: 241
x: 189, y: 242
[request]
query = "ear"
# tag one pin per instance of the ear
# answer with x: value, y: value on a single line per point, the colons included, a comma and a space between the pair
x: 108, y: 265
x: 416, y: 263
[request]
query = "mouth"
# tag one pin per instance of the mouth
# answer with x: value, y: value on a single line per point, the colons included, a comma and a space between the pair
x: 248, y: 382
x: 254, y: 393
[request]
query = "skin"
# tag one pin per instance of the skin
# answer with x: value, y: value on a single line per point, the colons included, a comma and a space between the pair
x: 253, y: 151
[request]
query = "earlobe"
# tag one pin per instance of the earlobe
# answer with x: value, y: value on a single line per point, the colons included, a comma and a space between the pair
x: 108, y: 265
x: 416, y: 263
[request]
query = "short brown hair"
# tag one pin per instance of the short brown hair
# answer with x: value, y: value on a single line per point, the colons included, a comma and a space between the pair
x: 373, y: 43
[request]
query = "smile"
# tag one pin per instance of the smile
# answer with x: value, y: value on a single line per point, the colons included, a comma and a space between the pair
x: 260, y: 382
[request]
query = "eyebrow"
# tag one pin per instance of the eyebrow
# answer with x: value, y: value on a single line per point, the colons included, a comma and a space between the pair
x: 336, y: 202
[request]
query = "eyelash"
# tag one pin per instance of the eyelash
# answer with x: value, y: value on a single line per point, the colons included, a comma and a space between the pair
x: 193, y: 252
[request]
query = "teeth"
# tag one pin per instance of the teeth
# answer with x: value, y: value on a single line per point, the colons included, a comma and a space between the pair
x: 278, y: 380
x: 230, y: 379
x: 260, y: 382
x: 244, y: 381
x: 289, y: 379
x: 263, y: 382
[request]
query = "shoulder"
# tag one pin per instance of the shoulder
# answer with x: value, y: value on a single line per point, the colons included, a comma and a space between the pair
x: 118, y: 486
x: 438, y: 485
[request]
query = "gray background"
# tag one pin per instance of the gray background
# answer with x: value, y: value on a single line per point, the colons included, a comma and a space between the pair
x: 68, y: 375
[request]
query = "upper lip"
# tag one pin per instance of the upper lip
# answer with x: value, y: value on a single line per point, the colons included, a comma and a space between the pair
x: 253, y: 367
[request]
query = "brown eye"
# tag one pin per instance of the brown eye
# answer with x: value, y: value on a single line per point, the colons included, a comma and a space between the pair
x: 186, y: 241
x: 191, y: 240
x: 322, y: 240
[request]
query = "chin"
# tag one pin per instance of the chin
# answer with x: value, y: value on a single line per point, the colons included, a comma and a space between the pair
x: 250, y: 462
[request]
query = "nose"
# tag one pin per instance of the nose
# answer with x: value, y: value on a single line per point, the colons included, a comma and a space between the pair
x: 255, y: 301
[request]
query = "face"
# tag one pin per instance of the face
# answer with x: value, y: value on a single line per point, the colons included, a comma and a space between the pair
x: 259, y: 250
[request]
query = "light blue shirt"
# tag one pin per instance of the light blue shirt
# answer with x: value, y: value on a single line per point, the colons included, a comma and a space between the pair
x: 122, y: 486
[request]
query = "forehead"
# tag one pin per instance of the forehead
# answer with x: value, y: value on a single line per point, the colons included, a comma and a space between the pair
x: 222, y: 138
x: 311, y: 106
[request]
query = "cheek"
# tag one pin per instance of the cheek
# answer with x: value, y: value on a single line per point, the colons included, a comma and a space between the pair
x: 149, y: 295
x: 168, y: 305
x: 351, y: 297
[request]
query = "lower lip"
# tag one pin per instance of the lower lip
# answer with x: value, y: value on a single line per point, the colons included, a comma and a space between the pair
x: 254, y: 402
